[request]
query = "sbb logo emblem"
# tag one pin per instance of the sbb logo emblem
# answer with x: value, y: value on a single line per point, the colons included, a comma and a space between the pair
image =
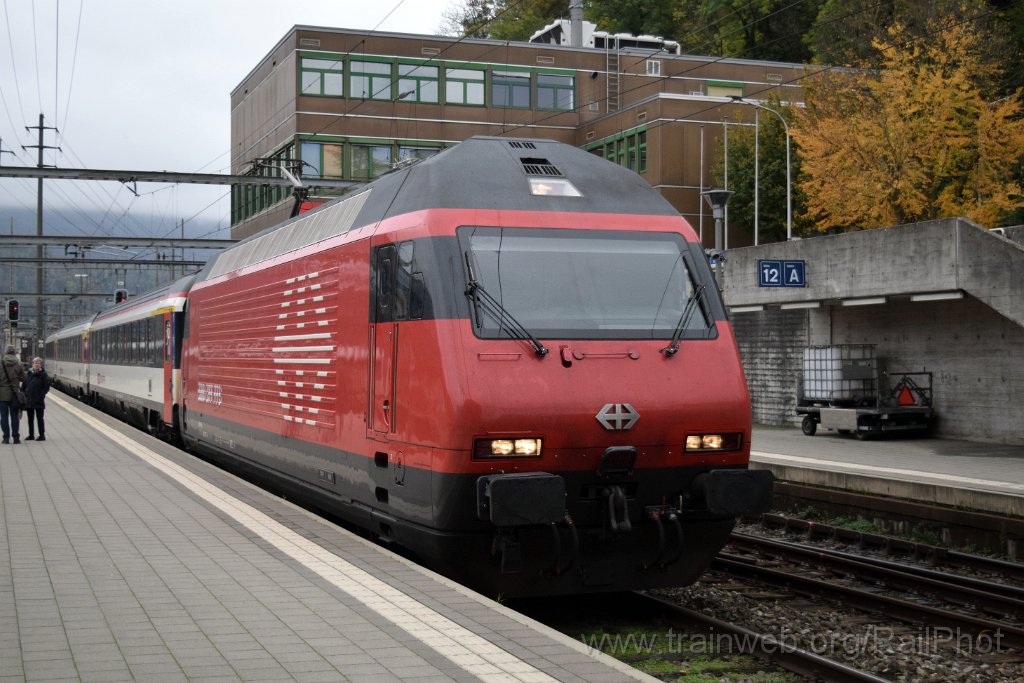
x: 617, y: 416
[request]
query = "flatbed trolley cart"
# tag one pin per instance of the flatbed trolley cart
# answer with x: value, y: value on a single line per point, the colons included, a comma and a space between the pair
x: 839, y: 391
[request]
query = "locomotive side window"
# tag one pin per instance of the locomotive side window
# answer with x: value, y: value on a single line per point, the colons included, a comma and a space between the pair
x: 584, y: 284
x: 403, y: 280
x: 385, y: 283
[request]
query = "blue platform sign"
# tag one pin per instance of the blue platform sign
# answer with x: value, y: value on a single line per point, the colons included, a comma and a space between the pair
x: 777, y: 273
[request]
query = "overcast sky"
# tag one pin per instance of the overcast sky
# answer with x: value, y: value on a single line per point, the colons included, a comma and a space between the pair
x: 144, y: 85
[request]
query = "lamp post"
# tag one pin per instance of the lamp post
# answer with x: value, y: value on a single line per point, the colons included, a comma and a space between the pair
x: 789, y: 177
x: 717, y: 199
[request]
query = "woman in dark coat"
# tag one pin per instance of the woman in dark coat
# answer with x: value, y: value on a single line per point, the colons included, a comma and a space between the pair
x: 36, y: 384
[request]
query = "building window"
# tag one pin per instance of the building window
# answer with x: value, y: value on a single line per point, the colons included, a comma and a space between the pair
x: 510, y: 89
x: 555, y: 92
x: 418, y: 153
x: 464, y: 86
x: 641, y: 139
x: 321, y: 76
x: 370, y: 80
x: 724, y: 89
x: 631, y: 156
x: 370, y: 161
x: 322, y: 160
x: 417, y: 83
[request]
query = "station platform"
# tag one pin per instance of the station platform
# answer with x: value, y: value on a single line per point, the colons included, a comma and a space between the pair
x: 123, y: 558
x: 969, y: 475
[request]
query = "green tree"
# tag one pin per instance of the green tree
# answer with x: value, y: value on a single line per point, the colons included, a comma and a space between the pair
x: 639, y: 17
x: 921, y: 138
x: 770, y: 177
x: 749, y: 29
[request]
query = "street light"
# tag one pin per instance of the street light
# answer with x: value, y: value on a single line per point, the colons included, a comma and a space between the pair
x: 717, y: 200
x: 789, y: 179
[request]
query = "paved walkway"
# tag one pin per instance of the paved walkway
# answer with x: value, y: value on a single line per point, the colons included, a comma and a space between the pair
x: 122, y: 558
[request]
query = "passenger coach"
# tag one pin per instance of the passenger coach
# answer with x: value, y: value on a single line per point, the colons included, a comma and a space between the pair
x: 128, y: 358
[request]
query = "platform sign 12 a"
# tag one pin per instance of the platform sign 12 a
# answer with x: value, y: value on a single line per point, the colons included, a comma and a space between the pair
x: 778, y: 273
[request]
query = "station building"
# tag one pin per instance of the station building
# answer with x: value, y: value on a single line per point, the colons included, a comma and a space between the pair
x: 350, y: 105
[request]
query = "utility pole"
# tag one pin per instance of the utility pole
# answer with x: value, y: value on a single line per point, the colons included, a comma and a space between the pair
x: 3, y: 152
x: 40, y: 311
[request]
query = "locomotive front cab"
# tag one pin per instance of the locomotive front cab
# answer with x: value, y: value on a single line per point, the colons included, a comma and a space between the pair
x: 611, y: 417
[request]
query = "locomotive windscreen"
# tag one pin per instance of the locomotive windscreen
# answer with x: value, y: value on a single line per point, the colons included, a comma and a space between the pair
x: 584, y: 284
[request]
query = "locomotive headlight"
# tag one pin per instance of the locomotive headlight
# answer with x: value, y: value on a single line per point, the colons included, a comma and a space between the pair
x: 713, y: 442
x: 507, y: 448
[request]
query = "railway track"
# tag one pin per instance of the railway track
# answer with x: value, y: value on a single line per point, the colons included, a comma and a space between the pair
x: 765, y: 646
x: 979, y: 607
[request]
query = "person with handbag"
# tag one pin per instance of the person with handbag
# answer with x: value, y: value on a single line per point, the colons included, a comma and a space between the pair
x: 35, y: 386
x: 10, y: 388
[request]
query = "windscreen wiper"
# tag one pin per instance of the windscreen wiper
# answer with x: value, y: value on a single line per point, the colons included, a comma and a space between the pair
x: 492, y: 307
x: 684, y: 320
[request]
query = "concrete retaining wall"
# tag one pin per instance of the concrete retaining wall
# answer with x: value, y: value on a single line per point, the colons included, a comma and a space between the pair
x: 974, y: 346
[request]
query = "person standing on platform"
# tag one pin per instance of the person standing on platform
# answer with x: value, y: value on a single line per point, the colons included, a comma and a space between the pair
x: 11, y: 377
x: 35, y: 386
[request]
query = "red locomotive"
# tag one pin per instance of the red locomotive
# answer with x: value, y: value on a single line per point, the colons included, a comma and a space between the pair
x: 510, y: 359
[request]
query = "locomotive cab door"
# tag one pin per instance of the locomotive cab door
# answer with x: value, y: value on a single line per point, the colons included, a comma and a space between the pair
x: 166, y: 347
x: 383, y: 344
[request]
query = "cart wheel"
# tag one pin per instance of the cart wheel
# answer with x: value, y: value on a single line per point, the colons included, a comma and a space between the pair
x: 862, y: 435
x: 809, y: 425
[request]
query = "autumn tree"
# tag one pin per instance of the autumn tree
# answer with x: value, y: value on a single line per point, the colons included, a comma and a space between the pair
x: 919, y: 139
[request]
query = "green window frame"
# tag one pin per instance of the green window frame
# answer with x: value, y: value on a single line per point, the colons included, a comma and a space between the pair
x: 418, y: 82
x: 631, y: 156
x: 465, y: 85
x: 510, y: 88
x: 407, y: 152
x: 641, y: 146
x: 370, y: 161
x: 321, y: 77
x: 369, y: 80
x: 322, y: 159
x: 556, y: 92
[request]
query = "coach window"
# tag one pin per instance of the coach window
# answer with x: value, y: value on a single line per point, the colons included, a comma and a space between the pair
x: 555, y: 91
x: 370, y: 80
x: 464, y: 86
x: 321, y: 76
x: 167, y: 341
x: 510, y: 88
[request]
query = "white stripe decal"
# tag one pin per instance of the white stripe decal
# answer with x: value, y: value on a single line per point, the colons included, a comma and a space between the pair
x: 296, y: 337
x: 290, y: 349
x: 311, y: 361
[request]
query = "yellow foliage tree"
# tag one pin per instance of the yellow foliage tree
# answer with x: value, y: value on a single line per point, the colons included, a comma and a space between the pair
x: 914, y: 141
